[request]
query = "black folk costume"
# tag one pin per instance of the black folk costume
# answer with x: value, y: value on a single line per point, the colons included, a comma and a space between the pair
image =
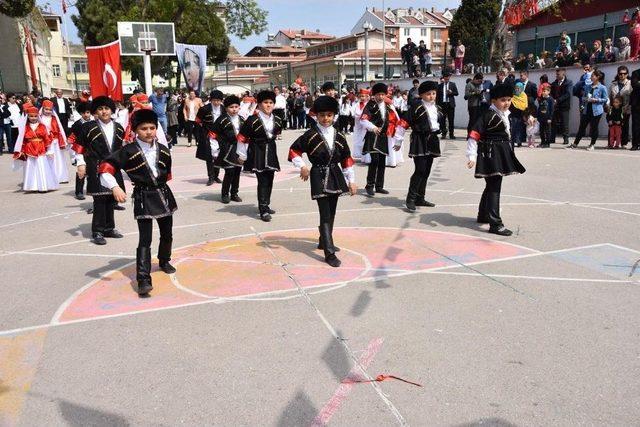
x: 149, y: 168
x: 384, y: 117
x: 94, y: 143
x: 73, y: 135
x: 489, y: 146
x: 257, y: 147
x: 424, y: 118
x: 330, y: 174
x: 225, y: 131
x: 207, y: 150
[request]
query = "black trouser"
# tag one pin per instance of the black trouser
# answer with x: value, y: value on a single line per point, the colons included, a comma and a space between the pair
x: 292, y: 119
x: 231, y: 181
x: 375, y: 173
x: 301, y: 116
x: 635, y: 127
x: 64, y: 120
x: 428, y: 69
x: 14, y: 138
x: 173, y: 134
x: 474, y: 113
x: 343, y: 123
x: 352, y: 123
x: 560, y: 125
x: 418, y: 181
x: 327, y: 210
x: 103, y: 220
x: 145, y: 228
x: 489, y: 208
x: 448, y: 114
x: 588, y: 120
x: 190, y: 128
x: 545, y: 133
x: 625, y: 130
x: 79, y: 185
x: 212, y: 171
x: 265, y: 186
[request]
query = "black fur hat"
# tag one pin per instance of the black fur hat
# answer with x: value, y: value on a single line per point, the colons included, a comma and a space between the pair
x: 265, y: 95
x: 82, y: 106
x: 379, y: 88
x: 501, y: 91
x: 216, y: 94
x: 426, y: 86
x: 325, y: 103
x: 143, y: 116
x: 102, y: 101
x: 230, y: 100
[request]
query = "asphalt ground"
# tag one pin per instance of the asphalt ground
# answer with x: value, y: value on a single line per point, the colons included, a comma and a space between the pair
x: 541, y: 328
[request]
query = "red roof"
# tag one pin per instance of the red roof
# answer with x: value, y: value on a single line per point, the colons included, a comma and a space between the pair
x: 379, y: 14
x: 306, y: 34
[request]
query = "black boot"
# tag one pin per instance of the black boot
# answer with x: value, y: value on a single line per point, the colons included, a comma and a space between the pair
x: 329, y: 251
x: 164, y: 256
x: 80, y: 188
x: 143, y: 270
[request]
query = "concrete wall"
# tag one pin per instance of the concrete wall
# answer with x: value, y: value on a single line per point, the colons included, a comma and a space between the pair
x: 11, y: 61
x: 573, y: 74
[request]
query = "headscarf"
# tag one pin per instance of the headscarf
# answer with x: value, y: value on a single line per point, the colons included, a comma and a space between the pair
x: 520, y: 100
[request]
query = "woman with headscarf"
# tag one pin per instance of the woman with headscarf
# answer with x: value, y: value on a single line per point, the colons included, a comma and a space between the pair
x: 624, y: 50
x: 519, y: 104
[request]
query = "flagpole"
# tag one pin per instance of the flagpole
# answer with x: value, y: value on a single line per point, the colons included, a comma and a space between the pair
x: 66, y: 37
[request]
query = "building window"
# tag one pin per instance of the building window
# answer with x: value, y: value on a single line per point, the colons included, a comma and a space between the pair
x: 436, y: 47
x: 80, y: 66
x: 423, y: 32
x: 56, y: 70
x: 436, y: 34
x: 407, y: 32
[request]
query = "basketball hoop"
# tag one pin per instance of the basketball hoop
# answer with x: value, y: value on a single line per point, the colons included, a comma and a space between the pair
x: 147, y: 42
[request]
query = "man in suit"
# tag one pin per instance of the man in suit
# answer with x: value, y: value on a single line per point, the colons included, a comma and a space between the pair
x: 446, y: 100
x: 530, y: 88
x: 634, y: 101
x: 561, y: 93
x: 62, y: 107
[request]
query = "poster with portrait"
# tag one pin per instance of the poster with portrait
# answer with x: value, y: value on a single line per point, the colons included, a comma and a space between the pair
x: 193, y: 62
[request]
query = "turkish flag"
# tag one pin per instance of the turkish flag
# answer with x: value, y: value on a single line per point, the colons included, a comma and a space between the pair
x: 105, y: 75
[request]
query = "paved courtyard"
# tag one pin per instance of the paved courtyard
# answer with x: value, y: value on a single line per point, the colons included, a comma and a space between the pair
x: 540, y: 328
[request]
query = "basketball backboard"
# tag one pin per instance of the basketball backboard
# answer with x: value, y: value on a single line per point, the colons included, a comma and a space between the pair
x: 136, y: 38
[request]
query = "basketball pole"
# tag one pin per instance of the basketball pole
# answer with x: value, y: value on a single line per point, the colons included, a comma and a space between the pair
x: 147, y: 72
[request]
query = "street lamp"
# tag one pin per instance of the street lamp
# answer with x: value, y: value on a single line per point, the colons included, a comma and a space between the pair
x: 366, y: 27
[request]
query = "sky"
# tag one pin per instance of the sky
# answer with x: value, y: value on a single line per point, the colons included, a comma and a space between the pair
x: 335, y: 17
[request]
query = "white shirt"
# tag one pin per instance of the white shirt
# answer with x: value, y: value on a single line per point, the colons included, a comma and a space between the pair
x: 235, y: 121
x: 61, y: 107
x: 267, y: 122
x: 445, y: 92
x: 432, y: 110
x: 108, y: 129
x: 329, y: 135
x: 191, y: 108
x: 150, y: 153
x: 215, y: 112
x: 383, y: 112
x: 281, y: 102
x: 14, y: 109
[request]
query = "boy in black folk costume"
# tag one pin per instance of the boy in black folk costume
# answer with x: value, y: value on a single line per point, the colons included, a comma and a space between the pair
x: 148, y: 164
x: 208, y: 149
x: 489, y: 150
x: 331, y: 173
x: 96, y: 140
x: 257, y: 149
x: 380, y: 120
x: 424, y: 118
x: 225, y: 130
x: 84, y: 109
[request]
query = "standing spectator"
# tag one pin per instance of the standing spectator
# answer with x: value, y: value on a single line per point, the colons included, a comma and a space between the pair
x: 173, y: 110
x: 610, y: 51
x: 621, y: 86
x: 530, y: 88
x: 624, y: 51
x: 345, y: 114
x: 592, y: 105
x: 422, y: 53
x: 634, y: 102
x: 634, y: 31
x: 291, y: 116
x: 407, y: 51
x: 62, y: 107
x: 308, y: 104
x: 474, y: 94
x: 446, y: 100
x: 581, y: 55
x: 501, y: 77
x: 615, y: 117
x: 280, y: 108
x: 190, y: 112
x: 519, y: 104
x: 564, y: 37
x: 532, y: 126
x: 598, y: 55
x: 181, y: 122
x: 545, y: 115
x: 15, y: 111
x: 543, y: 79
x: 5, y: 123
x: 429, y: 62
x: 299, y: 110
x: 413, y: 93
x: 158, y: 101
x: 561, y: 94
x: 459, y: 58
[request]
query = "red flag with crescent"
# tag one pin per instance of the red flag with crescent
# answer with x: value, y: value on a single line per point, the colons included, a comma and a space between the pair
x: 105, y: 71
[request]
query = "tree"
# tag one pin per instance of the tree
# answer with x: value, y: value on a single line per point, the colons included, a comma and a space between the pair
x: 196, y: 22
x: 474, y: 24
x: 16, y: 8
